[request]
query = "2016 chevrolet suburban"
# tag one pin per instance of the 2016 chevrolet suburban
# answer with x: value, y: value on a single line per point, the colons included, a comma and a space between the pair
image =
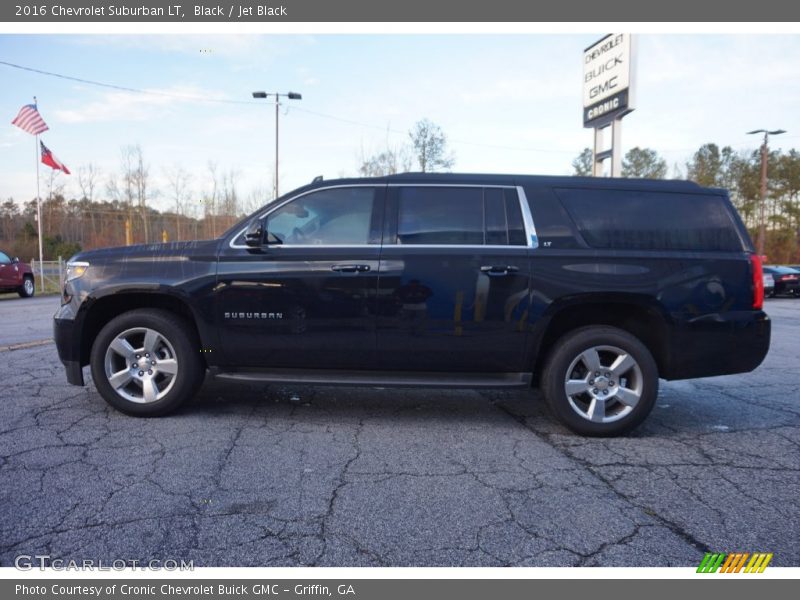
x: 590, y: 289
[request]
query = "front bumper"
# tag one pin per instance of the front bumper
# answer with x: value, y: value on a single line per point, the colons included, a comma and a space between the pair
x: 68, y: 346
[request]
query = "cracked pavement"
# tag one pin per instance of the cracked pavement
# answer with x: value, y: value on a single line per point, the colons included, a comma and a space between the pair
x: 244, y: 476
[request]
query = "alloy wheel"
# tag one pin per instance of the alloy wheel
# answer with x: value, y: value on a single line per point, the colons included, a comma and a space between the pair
x: 603, y: 384
x: 141, y: 365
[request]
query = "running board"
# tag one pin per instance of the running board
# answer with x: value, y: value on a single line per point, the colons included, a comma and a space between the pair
x: 379, y: 378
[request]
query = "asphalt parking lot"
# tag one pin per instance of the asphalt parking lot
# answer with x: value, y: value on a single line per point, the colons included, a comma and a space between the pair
x: 347, y: 477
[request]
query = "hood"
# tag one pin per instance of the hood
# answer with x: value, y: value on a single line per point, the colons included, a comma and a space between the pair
x: 150, y: 252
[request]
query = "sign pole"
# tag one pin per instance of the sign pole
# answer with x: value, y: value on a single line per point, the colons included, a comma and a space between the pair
x: 277, y: 97
x: 597, y: 165
x: 616, y: 147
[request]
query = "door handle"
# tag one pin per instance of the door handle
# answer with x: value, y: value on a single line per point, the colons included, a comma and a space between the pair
x: 350, y: 268
x: 499, y: 270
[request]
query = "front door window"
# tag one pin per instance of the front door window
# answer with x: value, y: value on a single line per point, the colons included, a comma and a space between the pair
x: 334, y: 217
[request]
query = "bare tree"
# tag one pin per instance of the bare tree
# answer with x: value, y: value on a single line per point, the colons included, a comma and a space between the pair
x: 210, y: 200
x: 140, y: 180
x: 258, y: 197
x: 430, y: 146
x: 178, y: 180
x: 135, y: 178
x: 391, y: 160
x: 88, y: 180
x: 54, y: 205
x: 229, y: 200
x: 122, y: 191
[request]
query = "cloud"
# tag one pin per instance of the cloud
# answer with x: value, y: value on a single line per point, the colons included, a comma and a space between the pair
x: 241, y: 48
x: 131, y: 106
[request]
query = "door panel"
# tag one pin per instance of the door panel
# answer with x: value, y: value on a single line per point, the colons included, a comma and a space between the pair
x: 8, y: 276
x: 450, y: 307
x: 308, y: 299
x: 290, y: 308
x: 441, y: 312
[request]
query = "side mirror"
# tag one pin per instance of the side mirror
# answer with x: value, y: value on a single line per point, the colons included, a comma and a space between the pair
x: 254, y: 236
x: 15, y: 260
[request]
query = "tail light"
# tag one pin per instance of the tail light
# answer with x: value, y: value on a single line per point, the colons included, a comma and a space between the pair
x: 758, y: 281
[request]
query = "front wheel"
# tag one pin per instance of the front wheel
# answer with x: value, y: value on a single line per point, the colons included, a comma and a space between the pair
x: 146, y: 362
x: 600, y: 381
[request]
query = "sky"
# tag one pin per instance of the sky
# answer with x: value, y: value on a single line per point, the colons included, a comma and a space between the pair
x: 508, y: 103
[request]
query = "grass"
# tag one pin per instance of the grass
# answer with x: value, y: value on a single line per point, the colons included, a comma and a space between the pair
x: 51, y: 288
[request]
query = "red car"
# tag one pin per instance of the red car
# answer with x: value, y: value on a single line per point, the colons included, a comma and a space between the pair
x: 16, y: 276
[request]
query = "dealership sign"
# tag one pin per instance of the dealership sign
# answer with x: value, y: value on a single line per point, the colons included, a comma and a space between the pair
x: 607, y: 80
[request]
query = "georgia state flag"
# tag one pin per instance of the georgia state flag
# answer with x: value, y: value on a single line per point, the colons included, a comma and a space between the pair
x: 49, y: 159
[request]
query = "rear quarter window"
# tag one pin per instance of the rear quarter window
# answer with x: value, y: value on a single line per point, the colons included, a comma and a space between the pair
x: 644, y: 220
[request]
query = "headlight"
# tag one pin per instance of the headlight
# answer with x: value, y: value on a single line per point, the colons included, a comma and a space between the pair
x: 76, y: 269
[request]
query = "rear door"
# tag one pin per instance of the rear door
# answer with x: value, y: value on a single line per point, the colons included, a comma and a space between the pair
x: 454, y: 283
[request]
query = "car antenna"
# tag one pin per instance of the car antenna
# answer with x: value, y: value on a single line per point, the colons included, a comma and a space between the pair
x: 317, y: 179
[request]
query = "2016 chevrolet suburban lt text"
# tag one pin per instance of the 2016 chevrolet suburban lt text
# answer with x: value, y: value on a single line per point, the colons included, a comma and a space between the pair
x: 590, y: 289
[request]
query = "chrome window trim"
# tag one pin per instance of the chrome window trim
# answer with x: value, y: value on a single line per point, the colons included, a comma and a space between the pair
x: 271, y: 209
x: 455, y: 185
x: 470, y: 246
x: 527, y: 218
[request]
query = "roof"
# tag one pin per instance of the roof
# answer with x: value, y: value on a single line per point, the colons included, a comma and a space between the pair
x: 510, y: 179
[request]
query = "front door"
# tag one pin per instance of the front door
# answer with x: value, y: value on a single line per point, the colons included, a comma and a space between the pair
x: 454, y: 286
x: 8, y: 276
x: 306, y: 297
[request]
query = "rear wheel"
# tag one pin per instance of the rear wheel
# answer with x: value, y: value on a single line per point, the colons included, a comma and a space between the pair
x: 146, y: 362
x: 27, y: 289
x: 600, y: 381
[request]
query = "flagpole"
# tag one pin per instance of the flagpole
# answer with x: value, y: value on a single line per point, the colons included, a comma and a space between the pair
x: 39, y: 213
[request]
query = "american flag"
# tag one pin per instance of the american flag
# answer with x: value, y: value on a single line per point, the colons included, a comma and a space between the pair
x: 30, y: 120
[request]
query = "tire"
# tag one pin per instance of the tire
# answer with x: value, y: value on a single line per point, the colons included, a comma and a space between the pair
x: 611, y: 404
x: 137, y: 338
x: 27, y: 289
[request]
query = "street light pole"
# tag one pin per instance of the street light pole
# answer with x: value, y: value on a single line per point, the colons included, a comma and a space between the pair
x: 762, y: 226
x: 277, y: 104
x: 290, y: 96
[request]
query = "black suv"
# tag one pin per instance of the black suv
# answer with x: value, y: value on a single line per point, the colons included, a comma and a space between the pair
x: 590, y: 289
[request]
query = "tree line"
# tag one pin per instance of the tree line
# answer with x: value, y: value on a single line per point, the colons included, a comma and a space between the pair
x: 106, y: 202
x: 115, y: 208
x: 740, y: 174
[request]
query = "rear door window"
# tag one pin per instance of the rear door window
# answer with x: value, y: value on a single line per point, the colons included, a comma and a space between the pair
x: 644, y: 220
x: 440, y: 215
x: 460, y: 216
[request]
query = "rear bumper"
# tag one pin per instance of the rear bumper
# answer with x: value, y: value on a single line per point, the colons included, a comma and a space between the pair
x: 68, y: 347
x: 786, y: 287
x: 719, y: 344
